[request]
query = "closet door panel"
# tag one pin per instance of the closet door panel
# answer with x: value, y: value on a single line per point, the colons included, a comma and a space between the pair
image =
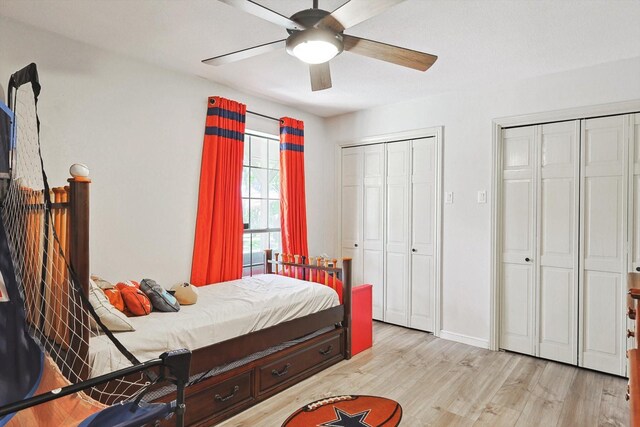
x: 518, y: 242
x: 373, y: 225
x: 423, y: 212
x: 603, y: 223
x: 603, y: 231
x: 397, y: 233
x: 601, y: 316
x: 558, y: 205
x: 517, y: 316
x: 352, y: 189
x: 373, y: 273
x: 396, y: 292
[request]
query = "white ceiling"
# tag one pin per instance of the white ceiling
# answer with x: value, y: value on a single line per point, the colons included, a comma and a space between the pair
x: 478, y: 42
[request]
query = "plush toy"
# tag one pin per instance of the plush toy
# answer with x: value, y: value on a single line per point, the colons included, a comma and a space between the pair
x: 185, y: 293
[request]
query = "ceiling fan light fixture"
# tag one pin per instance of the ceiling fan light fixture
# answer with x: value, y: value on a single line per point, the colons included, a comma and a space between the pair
x: 314, y: 46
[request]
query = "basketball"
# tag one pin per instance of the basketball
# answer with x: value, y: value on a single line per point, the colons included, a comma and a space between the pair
x: 347, y: 411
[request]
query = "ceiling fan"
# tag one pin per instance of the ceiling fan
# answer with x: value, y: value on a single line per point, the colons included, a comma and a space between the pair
x: 316, y: 36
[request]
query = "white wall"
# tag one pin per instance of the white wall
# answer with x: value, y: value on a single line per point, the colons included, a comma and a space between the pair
x: 140, y: 130
x: 467, y: 120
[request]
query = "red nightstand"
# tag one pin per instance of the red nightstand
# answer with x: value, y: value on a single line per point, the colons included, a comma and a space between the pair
x: 361, y: 323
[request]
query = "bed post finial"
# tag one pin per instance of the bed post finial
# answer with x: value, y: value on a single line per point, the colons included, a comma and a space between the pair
x: 268, y: 254
x: 346, y: 300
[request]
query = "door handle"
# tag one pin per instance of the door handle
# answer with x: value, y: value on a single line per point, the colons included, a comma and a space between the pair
x: 414, y: 250
x: 355, y: 245
x: 527, y: 259
x: 637, y: 268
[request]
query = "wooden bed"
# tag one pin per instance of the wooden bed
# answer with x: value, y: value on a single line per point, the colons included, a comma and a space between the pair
x: 222, y: 396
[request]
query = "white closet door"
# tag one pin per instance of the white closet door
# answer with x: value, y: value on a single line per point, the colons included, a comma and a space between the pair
x: 373, y: 225
x: 634, y: 206
x: 352, y: 183
x: 423, y: 219
x: 397, y: 233
x: 635, y: 191
x: 603, y: 242
x: 558, y: 222
x: 518, y: 240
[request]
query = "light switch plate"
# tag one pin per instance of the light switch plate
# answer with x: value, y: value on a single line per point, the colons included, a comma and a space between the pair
x: 448, y: 197
x: 482, y: 196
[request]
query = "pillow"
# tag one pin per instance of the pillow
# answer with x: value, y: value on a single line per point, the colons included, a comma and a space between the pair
x: 185, y: 293
x: 160, y: 298
x: 135, y: 301
x: 113, y: 319
x: 115, y: 298
x: 102, y: 284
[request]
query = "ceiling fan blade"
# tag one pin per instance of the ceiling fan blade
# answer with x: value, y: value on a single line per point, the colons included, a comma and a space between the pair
x: 386, y: 52
x: 245, y: 53
x: 354, y: 12
x: 265, y: 13
x: 320, y: 76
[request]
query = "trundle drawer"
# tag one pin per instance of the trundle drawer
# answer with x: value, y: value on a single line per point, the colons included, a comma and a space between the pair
x: 219, y: 397
x: 291, y: 365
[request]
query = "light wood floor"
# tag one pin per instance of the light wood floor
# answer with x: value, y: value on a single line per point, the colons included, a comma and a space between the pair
x: 443, y: 383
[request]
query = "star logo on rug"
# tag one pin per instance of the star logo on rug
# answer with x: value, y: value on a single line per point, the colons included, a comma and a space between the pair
x: 344, y: 419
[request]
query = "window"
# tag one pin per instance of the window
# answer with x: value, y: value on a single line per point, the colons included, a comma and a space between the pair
x: 260, y: 200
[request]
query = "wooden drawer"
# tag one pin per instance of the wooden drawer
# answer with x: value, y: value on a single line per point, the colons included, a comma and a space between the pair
x: 216, y: 398
x: 293, y: 364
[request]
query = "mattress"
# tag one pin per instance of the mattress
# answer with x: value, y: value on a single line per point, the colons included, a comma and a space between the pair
x: 223, y: 311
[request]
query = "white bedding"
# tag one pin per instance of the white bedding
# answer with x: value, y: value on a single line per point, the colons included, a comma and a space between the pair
x: 223, y: 311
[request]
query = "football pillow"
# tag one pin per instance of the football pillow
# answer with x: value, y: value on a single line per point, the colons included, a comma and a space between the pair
x: 160, y: 298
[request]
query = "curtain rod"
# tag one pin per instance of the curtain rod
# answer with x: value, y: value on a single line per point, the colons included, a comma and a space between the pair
x: 263, y: 115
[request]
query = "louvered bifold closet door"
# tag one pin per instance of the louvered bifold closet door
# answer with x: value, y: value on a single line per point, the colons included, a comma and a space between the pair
x: 397, y: 233
x: 557, y: 147
x: 351, y: 232
x: 603, y: 243
x: 518, y: 242
x: 423, y: 231
x: 373, y: 225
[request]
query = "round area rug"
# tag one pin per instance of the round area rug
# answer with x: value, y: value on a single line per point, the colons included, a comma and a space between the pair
x: 347, y: 411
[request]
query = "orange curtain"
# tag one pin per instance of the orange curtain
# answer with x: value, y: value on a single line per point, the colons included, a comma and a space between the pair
x: 217, y: 249
x: 293, y: 209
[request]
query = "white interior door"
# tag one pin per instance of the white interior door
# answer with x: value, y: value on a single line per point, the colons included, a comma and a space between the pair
x: 423, y: 227
x: 558, y: 226
x: 517, y: 311
x: 634, y: 207
x: 634, y: 127
x: 373, y: 225
x: 603, y: 243
x: 351, y: 224
x: 397, y: 233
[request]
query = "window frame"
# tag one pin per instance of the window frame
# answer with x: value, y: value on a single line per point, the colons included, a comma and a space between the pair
x: 255, y: 266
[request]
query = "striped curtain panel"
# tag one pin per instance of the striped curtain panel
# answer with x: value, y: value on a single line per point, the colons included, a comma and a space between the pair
x: 293, y: 209
x: 217, y: 249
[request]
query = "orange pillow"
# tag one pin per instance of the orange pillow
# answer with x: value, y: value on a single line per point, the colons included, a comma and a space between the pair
x: 135, y: 301
x: 115, y: 298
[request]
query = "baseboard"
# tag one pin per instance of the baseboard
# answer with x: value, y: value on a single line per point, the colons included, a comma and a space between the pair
x: 464, y: 339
